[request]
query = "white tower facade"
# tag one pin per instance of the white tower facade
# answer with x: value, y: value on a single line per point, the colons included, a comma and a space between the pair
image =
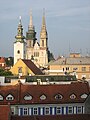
x: 19, y: 44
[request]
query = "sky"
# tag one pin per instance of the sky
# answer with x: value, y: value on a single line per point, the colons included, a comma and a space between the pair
x: 67, y: 21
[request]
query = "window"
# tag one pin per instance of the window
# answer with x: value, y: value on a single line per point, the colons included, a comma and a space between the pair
x: 19, y: 69
x: 27, y: 97
x: 58, y: 110
x: 83, y: 68
x: 84, y: 96
x: 89, y: 68
x: 70, y: 110
x: 42, y: 97
x: 25, y: 111
x: 75, y: 68
x: 35, y: 111
x: 36, y: 54
x: 67, y: 68
x: 58, y: 96
x: 13, y: 110
x: 30, y: 43
x: 42, y: 43
x: 47, y: 111
x: 18, y: 51
x: 73, y: 96
x: 79, y: 110
x: 1, y: 97
x: 9, y: 97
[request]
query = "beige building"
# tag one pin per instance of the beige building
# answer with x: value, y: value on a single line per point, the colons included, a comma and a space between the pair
x: 74, y: 65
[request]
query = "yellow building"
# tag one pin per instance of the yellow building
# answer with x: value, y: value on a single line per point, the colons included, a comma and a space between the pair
x: 74, y: 65
x: 25, y: 67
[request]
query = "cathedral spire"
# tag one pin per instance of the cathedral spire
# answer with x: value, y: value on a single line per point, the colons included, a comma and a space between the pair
x: 31, y: 27
x: 43, y: 20
x: 43, y: 33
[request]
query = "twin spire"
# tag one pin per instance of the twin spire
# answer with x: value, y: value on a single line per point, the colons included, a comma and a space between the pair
x: 31, y: 26
x: 43, y: 20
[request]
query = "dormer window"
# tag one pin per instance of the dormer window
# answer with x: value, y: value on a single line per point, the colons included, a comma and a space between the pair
x: 58, y: 97
x: 28, y: 97
x: 1, y: 97
x: 42, y: 97
x: 73, y: 96
x: 9, y: 97
x: 84, y: 96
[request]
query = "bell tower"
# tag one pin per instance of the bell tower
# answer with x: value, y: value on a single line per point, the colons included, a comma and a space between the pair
x: 31, y: 34
x: 19, y: 44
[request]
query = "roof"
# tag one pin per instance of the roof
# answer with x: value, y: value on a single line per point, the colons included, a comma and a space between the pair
x: 2, y: 60
x: 19, y: 91
x: 53, y: 117
x: 4, y: 112
x: 72, y: 61
x: 33, y: 67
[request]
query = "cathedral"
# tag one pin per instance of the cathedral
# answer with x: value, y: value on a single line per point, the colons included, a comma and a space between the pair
x: 27, y: 47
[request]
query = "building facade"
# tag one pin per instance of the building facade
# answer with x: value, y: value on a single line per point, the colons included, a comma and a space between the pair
x: 34, y: 100
x: 31, y: 49
x: 74, y: 65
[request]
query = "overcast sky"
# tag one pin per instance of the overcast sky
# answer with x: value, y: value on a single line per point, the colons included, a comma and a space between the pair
x: 68, y: 24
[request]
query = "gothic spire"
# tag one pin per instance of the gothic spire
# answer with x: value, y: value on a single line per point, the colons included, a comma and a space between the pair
x: 31, y: 27
x: 43, y: 20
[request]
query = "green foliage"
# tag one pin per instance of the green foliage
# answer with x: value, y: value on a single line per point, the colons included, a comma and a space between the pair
x: 50, y: 56
x: 5, y: 73
x: 9, y: 61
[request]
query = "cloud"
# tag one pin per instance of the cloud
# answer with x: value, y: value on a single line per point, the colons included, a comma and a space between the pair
x: 71, y: 12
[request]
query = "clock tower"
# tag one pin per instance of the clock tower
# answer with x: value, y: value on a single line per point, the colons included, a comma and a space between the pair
x: 19, y: 44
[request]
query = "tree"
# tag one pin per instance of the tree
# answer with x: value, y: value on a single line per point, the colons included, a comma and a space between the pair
x: 5, y: 73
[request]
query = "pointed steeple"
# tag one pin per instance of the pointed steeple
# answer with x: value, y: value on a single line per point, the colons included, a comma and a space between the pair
x: 31, y: 27
x: 30, y: 34
x: 43, y: 21
x: 43, y: 33
x: 19, y: 37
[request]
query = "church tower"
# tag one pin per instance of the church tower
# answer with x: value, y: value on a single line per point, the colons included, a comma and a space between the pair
x: 43, y: 34
x: 19, y: 44
x: 43, y: 43
x: 30, y: 38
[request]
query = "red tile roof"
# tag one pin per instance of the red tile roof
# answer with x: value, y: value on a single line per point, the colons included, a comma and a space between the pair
x: 33, y: 67
x: 2, y: 60
x: 21, y: 90
x: 4, y: 112
x: 53, y: 117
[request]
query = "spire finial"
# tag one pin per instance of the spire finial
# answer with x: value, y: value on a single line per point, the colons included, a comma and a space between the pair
x: 43, y: 19
x: 20, y: 19
x: 31, y: 21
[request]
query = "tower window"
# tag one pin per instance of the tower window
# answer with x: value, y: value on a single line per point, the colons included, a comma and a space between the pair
x: 18, y: 51
x: 30, y: 43
x: 43, y: 43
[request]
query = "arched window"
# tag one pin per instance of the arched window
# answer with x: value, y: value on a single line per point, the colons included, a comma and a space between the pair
x: 42, y: 43
x: 18, y: 51
x: 28, y: 97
